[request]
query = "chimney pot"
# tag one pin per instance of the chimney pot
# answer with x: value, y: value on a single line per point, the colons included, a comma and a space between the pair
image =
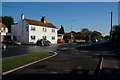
x: 22, y: 16
x: 43, y: 20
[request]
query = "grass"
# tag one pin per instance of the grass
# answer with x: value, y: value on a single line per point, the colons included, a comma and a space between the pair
x: 73, y: 48
x: 81, y: 46
x: 77, y: 40
x: 87, y: 46
x: 13, y: 62
x: 80, y: 40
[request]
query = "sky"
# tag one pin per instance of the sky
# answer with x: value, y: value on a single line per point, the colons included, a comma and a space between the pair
x: 78, y: 15
x: 60, y: 0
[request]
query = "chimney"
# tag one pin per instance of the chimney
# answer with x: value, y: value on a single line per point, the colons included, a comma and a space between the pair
x: 43, y: 20
x: 22, y: 16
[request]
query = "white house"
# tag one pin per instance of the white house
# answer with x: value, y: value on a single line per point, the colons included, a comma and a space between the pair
x: 28, y: 31
x: 3, y: 31
x: 60, y: 36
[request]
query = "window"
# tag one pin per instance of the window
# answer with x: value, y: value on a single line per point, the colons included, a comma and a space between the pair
x: 44, y: 29
x: 4, y: 29
x: 53, y: 30
x: 27, y: 27
x: 32, y: 37
x: 45, y: 37
x: 53, y: 38
x: 32, y: 28
x: 0, y: 29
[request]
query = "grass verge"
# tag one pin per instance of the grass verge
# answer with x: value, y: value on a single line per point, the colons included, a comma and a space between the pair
x: 81, y: 46
x: 88, y: 46
x: 13, y: 62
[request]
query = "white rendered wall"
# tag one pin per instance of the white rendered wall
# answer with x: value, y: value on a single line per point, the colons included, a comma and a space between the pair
x: 19, y: 30
x: 24, y: 36
x: 39, y: 34
x: 3, y: 30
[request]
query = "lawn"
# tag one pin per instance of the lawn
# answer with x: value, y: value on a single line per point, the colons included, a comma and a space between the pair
x: 13, y: 62
x: 81, y: 46
x: 88, y: 46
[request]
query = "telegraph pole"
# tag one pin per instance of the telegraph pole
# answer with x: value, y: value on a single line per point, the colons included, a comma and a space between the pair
x: 111, y: 27
x: 71, y: 33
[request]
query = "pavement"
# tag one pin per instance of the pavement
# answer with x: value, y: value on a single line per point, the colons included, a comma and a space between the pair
x: 111, y: 69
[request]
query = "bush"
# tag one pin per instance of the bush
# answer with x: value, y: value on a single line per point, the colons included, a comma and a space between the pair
x: 116, y: 35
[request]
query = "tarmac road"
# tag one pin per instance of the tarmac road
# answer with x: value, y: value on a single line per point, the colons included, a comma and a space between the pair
x: 79, y: 64
x: 27, y: 49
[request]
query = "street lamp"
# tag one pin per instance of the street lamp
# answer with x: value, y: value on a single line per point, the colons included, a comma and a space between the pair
x: 71, y: 31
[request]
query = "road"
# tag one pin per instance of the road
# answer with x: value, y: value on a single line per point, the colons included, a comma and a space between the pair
x: 27, y: 49
x: 67, y: 65
x: 72, y: 65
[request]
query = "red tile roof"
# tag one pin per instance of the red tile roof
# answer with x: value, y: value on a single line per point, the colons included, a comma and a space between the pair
x: 39, y: 23
x: 2, y: 25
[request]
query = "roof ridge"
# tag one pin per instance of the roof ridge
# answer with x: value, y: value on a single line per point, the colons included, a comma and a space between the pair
x: 2, y: 25
x: 36, y: 22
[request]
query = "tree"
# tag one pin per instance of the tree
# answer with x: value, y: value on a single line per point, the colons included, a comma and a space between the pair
x: 61, y: 30
x: 96, y: 35
x: 80, y: 35
x: 85, y: 30
x: 8, y: 21
x: 116, y: 35
x: 0, y: 19
x: 87, y: 34
x: 66, y: 37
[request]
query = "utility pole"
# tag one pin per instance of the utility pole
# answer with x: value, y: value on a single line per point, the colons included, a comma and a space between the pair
x: 111, y: 27
x: 71, y: 33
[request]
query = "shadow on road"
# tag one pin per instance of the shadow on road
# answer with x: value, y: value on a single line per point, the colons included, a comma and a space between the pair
x: 98, y: 47
x: 75, y: 74
x: 110, y: 74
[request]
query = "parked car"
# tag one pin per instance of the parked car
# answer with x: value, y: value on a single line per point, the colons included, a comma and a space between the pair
x: 43, y: 42
x: 11, y: 42
x: 3, y: 46
x: 60, y: 41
